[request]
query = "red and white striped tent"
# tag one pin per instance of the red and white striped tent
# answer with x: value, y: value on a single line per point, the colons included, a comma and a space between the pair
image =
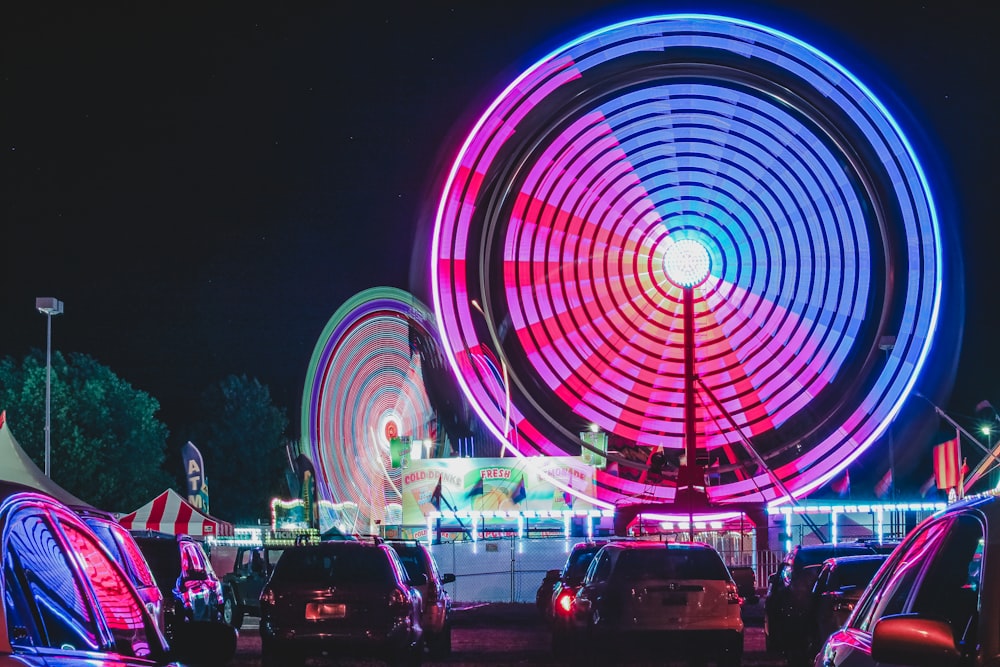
x: 170, y: 513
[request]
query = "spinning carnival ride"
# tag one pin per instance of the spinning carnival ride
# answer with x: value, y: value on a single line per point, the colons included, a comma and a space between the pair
x: 692, y: 233
x: 365, y: 387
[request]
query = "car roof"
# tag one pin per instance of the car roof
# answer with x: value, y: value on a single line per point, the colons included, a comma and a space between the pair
x: 650, y: 544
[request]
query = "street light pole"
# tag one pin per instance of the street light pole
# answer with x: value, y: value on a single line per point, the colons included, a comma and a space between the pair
x: 48, y: 306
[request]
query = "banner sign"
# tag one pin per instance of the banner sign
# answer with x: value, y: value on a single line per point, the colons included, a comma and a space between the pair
x: 497, y: 484
x: 194, y: 472
x: 599, y: 441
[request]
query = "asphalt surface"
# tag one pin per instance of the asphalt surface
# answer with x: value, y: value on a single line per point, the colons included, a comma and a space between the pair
x: 513, y: 634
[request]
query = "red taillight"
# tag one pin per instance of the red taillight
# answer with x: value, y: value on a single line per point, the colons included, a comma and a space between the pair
x: 733, y: 594
x: 564, y: 603
x: 399, y: 600
x: 432, y: 595
x: 267, y: 597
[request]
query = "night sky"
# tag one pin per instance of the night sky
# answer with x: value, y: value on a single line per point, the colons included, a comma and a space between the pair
x: 203, y: 185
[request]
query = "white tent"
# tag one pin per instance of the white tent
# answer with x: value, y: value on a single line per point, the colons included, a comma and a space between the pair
x: 170, y: 513
x: 17, y: 466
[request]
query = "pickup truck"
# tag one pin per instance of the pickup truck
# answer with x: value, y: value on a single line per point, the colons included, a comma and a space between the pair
x: 252, y: 566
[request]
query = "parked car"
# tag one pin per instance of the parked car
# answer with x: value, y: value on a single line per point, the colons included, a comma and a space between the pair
x: 933, y: 601
x: 436, y: 620
x: 837, y: 589
x: 184, y: 573
x: 789, y: 590
x: 242, y: 586
x: 350, y: 598
x: 123, y: 548
x: 746, y: 582
x: 68, y: 602
x: 555, y: 596
x: 675, y: 598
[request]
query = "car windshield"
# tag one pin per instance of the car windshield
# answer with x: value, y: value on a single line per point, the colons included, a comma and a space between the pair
x: 671, y: 564
x: 327, y: 566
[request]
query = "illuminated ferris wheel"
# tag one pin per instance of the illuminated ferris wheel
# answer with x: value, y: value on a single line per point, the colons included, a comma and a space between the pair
x: 690, y: 233
x: 365, y: 388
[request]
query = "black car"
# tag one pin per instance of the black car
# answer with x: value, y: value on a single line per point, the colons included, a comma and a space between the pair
x: 933, y: 603
x: 436, y: 621
x: 252, y: 566
x: 554, y: 597
x: 191, y: 590
x: 350, y: 598
x: 839, y: 585
x: 789, y: 591
x: 65, y: 601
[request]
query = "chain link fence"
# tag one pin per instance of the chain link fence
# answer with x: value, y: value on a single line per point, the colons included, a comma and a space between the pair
x: 511, y: 569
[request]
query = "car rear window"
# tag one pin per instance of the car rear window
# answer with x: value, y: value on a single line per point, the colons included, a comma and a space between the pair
x: 579, y: 562
x: 671, y: 564
x: 817, y: 556
x: 328, y: 566
x: 163, y: 558
x: 855, y: 573
x: 412, y: 561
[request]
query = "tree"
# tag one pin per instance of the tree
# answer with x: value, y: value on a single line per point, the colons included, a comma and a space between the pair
x: 107, y: 446
x: 241, y: 434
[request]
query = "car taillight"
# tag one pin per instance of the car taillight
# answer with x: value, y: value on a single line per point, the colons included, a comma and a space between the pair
x: 267, y: 597
x: 564, y: 603
x: 733, y: 594
x: 399, y: 600
x: 432, y: 595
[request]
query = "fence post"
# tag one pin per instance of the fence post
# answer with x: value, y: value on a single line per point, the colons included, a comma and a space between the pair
x: 513, y: 569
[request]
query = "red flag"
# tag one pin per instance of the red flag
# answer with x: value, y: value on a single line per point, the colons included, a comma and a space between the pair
x: 947, y: 462
x: 842, y: 486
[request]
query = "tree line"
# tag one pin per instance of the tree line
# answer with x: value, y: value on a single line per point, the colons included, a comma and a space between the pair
x: 109, y: 448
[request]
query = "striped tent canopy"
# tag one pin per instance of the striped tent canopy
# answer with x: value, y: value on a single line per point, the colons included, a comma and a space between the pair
x: 170, y: 513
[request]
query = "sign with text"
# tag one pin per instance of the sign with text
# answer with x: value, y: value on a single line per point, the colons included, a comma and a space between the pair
x: 498, y: 484
x: 194, y: 472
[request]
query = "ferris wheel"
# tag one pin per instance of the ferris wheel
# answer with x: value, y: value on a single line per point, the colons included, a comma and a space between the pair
x: 364, y: 389
x: 693, y: 234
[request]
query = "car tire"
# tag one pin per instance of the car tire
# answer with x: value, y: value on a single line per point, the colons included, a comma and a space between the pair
x: 231, y: 613
x: 439, y: 645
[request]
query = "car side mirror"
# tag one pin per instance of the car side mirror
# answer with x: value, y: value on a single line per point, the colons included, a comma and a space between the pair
x: 909, y: 639
x: 418, y: 580
x: 203, y: 643
x: 447, y: 578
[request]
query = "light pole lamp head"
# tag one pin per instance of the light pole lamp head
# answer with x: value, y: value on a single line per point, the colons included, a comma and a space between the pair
x: 48, y: 305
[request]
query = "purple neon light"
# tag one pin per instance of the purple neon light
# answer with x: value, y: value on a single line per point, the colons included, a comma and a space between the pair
x: 630, y: 161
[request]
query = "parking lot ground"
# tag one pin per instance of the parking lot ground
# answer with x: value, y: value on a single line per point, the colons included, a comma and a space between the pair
x: 512, y: 634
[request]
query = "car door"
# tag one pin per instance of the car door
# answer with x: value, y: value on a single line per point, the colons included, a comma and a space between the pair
x: 936, y: 573
x: 65, y: 600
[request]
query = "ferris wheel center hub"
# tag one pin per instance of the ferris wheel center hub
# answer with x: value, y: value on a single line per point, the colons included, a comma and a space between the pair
x: 686, y: 262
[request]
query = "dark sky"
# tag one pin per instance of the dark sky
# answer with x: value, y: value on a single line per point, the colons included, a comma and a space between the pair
x: 204, y: 184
